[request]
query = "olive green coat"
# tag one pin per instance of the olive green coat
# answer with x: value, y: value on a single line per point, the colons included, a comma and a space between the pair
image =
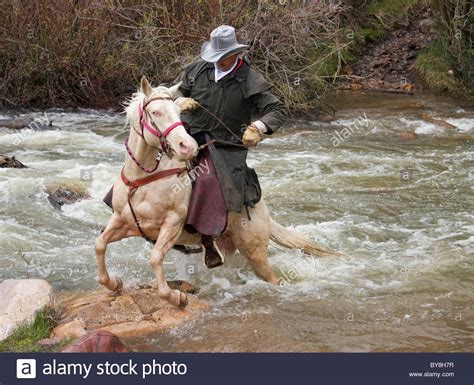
x: 234, y: 99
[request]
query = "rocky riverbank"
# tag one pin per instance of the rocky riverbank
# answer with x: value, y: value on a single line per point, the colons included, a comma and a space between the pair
x: 386, y: 64
x: 134, y: 312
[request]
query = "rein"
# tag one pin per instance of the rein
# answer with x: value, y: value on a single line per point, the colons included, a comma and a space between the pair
x: 212, y: 141
x: 223, y: 124
x: 140, y: 166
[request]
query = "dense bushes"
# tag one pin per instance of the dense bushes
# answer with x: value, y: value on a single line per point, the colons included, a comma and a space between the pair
x: 92, y: 53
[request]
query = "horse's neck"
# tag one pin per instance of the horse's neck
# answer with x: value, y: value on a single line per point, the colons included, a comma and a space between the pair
x: 145, y: 155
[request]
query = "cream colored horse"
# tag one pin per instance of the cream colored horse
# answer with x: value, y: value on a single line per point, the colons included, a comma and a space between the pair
x: 161, y: 208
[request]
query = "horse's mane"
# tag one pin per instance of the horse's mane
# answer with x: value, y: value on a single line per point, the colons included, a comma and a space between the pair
x: 131, y: 104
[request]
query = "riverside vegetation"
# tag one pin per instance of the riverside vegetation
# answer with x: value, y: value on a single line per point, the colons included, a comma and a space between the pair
x: 91, y: 53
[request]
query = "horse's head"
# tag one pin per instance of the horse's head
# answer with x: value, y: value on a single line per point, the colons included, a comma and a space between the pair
x: 160, y: 117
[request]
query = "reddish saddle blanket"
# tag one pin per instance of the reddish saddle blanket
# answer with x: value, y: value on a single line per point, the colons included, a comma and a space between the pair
x: 207, y: 212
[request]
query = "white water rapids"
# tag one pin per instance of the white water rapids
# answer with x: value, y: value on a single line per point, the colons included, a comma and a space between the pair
x: 388, y: 189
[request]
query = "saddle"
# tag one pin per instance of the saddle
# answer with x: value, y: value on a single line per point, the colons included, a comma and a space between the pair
x: 207, y: 212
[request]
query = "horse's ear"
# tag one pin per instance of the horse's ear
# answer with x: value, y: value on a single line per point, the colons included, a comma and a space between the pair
x: 173, y: 91
x: 145, y: 86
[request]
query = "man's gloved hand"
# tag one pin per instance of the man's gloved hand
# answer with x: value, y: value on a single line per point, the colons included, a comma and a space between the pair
x: 252, y: 136
x: 186, y: 104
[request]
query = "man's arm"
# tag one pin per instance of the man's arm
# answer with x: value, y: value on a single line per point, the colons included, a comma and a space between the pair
x: 274, y: 113
x: 181, y: 97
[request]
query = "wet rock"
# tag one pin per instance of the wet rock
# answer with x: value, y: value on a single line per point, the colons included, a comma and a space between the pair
x: 136, y: 311
x: 66, y: 193
x: 10, y: 162
x: 326, y: 118
x: 99, y: 341
x: 20, y: 300
x: 17, y: 124
x: 74, y: 329
x: 39, y: 123
x: 440, y: 122
x: 407, y: 135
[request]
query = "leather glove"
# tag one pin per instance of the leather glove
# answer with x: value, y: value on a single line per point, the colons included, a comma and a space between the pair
x: 186, y: 104
x: 252, y: 136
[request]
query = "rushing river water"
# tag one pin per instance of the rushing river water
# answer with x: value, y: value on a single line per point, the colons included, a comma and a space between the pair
x: 388, y: 189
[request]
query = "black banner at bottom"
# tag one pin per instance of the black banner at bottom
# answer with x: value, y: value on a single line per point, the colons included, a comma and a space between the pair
x: 241, y: 368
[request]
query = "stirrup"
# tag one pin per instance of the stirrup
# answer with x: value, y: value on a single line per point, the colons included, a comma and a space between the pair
x: 213, y: 257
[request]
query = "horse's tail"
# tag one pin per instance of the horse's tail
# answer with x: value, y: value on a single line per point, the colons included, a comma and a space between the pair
x: 291, y: 240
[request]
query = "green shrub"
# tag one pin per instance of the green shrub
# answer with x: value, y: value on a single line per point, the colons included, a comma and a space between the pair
x: 391, y: 8
x: 433, y: 65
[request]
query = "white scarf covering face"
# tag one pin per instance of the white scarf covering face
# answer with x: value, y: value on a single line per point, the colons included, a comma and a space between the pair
x: 218, y: 74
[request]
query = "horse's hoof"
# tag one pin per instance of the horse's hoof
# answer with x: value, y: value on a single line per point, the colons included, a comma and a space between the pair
x: 183, y: 300
x: 118, y: 284
x: 101, y: 281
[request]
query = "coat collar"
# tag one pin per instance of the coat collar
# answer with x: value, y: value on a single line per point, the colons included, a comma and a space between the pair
x: 240, y: 75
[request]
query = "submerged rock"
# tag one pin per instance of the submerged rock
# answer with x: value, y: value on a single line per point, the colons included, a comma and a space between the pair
x: 326, y: 118
x: 10, y: 162
x: 135, y: 311
x: 440, y: 122
x: 66, y: 193
x: 17, y: 124
x: 99, y: 341
x: 407, y: 135
x: 20, y: 301
x: 38, y: 123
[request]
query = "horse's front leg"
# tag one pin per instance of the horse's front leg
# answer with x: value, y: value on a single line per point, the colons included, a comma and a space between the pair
x: 114, y: 231
x: 169, y: 234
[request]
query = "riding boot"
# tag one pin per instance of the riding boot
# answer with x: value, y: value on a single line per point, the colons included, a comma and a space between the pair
x: 213, y: 257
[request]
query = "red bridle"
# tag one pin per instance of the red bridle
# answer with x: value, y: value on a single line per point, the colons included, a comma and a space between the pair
x: 155, y: 131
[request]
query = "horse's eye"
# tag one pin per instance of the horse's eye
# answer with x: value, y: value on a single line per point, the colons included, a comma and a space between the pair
x: 157, y: 113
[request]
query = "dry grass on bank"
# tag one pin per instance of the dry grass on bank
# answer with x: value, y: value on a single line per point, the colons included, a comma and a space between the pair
x: 92, y: 53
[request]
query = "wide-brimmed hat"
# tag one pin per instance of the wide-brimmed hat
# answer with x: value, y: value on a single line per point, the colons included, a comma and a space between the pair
x: 223, y: 43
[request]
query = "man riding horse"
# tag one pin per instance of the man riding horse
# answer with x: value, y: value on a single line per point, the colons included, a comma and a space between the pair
x: 152, y: 196
x: 224, y: 92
